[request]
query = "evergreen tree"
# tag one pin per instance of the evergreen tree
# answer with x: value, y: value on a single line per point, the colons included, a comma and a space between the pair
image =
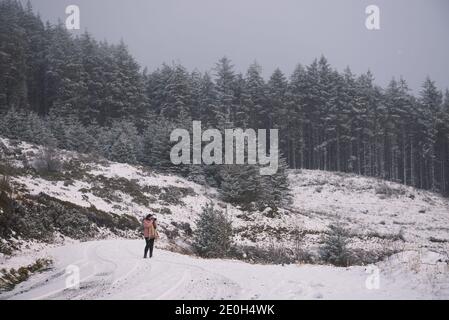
x: 128, y: 100
x: 213, y: 237
x: 78, y: 138
x: 65, y: 89
x: 335, y: 249
x: 292, y: 116
x: 35, y: 59
x: 255, y: 105
x: 204, y: 99
x: 177, y: 94
x: 225, y: 110
x: 156, y: 143
x: 13, y: 56
x: 240, y: 184
x: 443, y: 144
x: 277, y: 102
x: 430, y: 104
x: 275, y: 189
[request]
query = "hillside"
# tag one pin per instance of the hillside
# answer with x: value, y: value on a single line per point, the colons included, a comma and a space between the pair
x: 383, y: 219
x: 379, y: 213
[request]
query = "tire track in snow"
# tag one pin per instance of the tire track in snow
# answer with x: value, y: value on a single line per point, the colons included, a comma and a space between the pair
x: 106, y: 287
x: 207, y: 272
x: 106, y: 272
x: 67, y: 293
x: 231, y: 289
x: 104, y: 276
x: 169, y: 291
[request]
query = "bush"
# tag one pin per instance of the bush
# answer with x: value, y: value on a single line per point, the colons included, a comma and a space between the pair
x: 214, y: 233
x: 9, y: 218
x: 5, y: 184
x: 171, y: 234
x: 10, y: 278
x: 70, y: 222
x: 173, y: 195
x: 335, y: 250
x: 437, y: 240
x: 38, y: 217
x: 23, y: 219
x: 388, y: 191
x: 183, y: 226
x: 47, y: 162
x: 399, y: 236
x: 365, y: 257
x: 273, y: 254
x: 164, y: 211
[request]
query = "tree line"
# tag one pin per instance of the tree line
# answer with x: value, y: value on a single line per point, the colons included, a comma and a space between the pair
x: 80, y: 94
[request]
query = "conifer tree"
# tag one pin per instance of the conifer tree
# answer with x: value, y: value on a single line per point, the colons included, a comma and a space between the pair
x: 213, y: 237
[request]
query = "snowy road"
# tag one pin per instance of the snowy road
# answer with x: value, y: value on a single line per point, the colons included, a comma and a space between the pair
x: 114, y: 269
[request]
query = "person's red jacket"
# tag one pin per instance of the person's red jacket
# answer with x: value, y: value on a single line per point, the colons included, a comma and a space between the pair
x: 149, y: 230
x: 146, y: 227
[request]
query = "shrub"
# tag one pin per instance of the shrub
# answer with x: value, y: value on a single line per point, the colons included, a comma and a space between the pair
x: 278, y: 254
x: 9, y: 217
x: 38, y: 217
x: 71, y: 223
x: 5, y: 184
x: 47, y: 162
x: 399, y: 236
x: 388, y: 191
x: 184, y: 226
x: 171, y: 234
x: 173, y: 195
x: 437, y: 240
x: 127, y: 222
x: 10, y: 278
x: 272, y: 254
x: 165, y: 211
x: 300, y: 253
x: 6, y: 248
x: 365, y: 257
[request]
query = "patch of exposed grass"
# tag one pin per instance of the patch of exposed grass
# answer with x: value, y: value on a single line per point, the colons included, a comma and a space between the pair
x: 438, y: 240
x: 12, y: 277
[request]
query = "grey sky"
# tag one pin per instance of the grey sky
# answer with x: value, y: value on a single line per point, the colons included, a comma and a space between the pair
x: 413, y: 40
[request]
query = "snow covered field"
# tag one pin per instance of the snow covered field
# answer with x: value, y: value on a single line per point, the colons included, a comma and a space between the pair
x: 114, y: 269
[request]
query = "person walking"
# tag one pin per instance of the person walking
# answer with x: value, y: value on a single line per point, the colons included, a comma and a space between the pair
x: 150, y: 233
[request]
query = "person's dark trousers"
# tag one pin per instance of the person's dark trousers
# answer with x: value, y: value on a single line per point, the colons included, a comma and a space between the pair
x: 151, y: 247
x: 148, y: 247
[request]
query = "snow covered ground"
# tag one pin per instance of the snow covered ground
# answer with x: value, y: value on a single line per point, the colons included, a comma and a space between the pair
x: 382, y: 217
x: 379, y: 214
x: 114, y: 269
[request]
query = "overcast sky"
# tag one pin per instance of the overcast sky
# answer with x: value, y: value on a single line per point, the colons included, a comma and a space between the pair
x: 413, y: 40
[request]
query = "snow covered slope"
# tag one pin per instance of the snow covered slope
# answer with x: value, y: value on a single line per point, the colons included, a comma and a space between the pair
x: 378, y: 214
x: 406, y: 228
x: 114, y: 270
